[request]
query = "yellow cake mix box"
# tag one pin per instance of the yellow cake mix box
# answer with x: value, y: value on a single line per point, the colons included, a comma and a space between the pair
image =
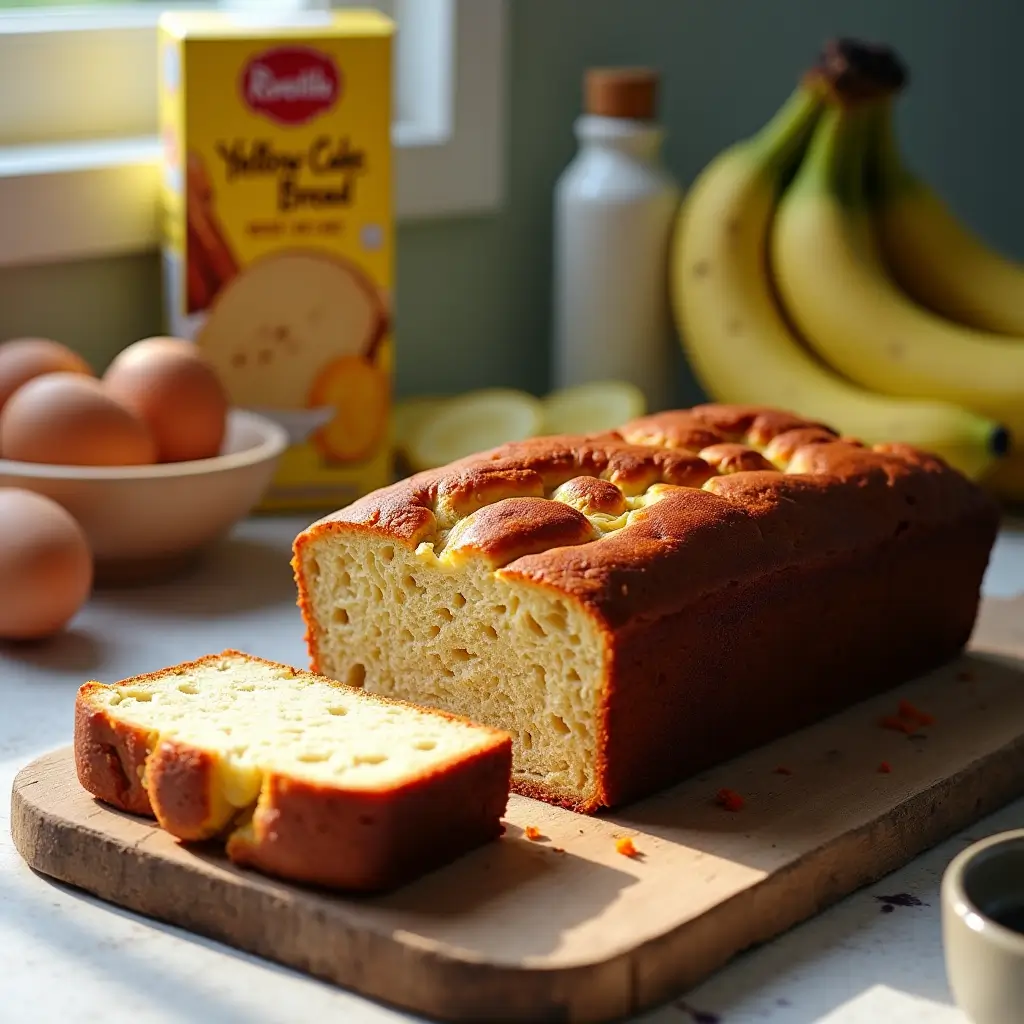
x: 277, y: 230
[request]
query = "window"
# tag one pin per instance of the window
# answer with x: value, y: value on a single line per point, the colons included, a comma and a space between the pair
x: 78, y: 147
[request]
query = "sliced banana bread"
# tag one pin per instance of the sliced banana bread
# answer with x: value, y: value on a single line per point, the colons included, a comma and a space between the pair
x: 306, y: 778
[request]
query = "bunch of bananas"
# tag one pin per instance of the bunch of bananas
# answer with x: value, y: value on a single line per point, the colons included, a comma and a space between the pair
x: 812, y: 271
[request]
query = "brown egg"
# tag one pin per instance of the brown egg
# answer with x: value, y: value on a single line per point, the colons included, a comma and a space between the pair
x: 66, y: 419
x: 168, y: 384
x: 21, y: 359
x: 46, y: 568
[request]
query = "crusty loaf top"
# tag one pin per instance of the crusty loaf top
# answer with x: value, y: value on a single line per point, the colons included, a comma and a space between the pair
x: 643, y: 520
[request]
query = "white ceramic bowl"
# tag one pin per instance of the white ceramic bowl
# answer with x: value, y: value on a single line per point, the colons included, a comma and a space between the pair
x: 981, y: 888
x: 145, y: 522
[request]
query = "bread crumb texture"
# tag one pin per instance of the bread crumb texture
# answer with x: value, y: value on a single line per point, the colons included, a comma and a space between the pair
x: 257, y: 717
x: 460, y: 637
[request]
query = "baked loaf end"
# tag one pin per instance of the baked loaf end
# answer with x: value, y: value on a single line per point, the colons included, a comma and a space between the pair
x: 635, y: 606
x: 306, y: 779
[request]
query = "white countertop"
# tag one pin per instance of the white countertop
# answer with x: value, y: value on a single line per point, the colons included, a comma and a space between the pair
x: 67, y: 957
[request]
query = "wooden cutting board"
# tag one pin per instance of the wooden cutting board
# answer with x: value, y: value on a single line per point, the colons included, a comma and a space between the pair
x: 565, y: 928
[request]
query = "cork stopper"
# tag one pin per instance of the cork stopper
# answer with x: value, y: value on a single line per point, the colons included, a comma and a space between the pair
x: 621, y: 92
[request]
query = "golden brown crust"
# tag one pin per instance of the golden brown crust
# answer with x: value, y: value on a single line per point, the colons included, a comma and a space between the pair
x: 180, y: 782
x: 110, y: 756
x: 756, y: 424
x: 782, y: 447
x: 592, y: 495
x: 835, y: 496
x: 515, y: 527
x: 774, y: 495
x: 679, y: 428
x: 729, y: 457
x: 462, y: 494
x: 375, y: 840
x: 365, y: 839
x: 747, y: 664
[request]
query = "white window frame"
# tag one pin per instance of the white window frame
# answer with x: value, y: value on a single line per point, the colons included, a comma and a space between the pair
x: 79, y: 174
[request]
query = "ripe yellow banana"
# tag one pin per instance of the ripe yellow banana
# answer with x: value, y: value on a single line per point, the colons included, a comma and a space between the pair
x: 939, y: 262
x: 834, y: 285
x: 735, y: 337
x: 935, y: 258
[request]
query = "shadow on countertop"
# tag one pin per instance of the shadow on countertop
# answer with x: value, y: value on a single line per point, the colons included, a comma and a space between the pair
x: 73, y: 650
x: 239, y: 574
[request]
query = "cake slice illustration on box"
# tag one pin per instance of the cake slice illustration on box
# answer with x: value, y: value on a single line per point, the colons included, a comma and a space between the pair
x: 298, y: 333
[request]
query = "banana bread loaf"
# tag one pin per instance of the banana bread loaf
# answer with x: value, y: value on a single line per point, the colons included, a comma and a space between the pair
x: 635, y: 606
x: 306, y: 779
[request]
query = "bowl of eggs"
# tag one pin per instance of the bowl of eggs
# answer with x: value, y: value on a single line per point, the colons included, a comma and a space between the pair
x: 148, y: 462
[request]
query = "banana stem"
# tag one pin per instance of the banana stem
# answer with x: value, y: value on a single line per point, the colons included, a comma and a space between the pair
x: 886, y: 174
x: 835, y: 158
x: 781, y: 142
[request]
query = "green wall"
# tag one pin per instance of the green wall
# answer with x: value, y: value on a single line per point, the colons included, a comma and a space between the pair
x: 474, y: 293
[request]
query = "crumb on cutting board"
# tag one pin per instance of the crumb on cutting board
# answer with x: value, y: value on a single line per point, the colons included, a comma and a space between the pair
x: 729, y: 799
x: 913, y: 714
x: 626, y: 847
x: 532, y: 833
x: 908, y: 719
x: 885, y: 767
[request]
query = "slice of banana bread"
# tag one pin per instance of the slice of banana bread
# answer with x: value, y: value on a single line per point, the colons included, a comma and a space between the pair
x: 306, y: 778
x: 636, y: 606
